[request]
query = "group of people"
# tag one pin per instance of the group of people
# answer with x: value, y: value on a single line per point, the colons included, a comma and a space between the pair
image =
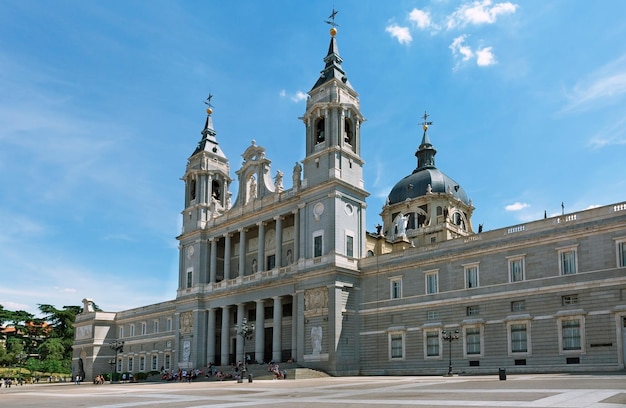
x: 9, y: 381
x: 99, y: 379
x: 180, y: 375
x: 276, y: 371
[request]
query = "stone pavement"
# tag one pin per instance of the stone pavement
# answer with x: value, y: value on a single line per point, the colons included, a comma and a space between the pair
x: 546, y: 390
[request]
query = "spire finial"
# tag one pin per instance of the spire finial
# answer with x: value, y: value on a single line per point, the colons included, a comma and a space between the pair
x: 425, y: 124
x: 207, y: 102
x: 331, y: 21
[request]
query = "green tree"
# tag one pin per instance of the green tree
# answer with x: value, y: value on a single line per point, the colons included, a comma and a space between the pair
x: 52, y: 348
x: 62, y: 323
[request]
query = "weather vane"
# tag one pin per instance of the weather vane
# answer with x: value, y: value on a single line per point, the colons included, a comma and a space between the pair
x: 207, y: 102
x: 425, y: 124
x: 332, y: 19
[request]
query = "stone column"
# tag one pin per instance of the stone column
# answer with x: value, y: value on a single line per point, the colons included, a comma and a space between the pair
x: 261, y: 255
x: 213, y: 261
x: 259, y: 333
x: 209, y: 193
x: 294, y: 326
x: 300, y: 334
x: 277, y: 344
x: 296, y: 235
x: 211, y: 336
x: 239, y: 354
x: 242, y: 252
x: 279, y: 241
x: 227, y: 256
x: 225, y: 335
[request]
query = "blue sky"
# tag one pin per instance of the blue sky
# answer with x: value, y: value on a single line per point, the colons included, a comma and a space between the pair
x: 101, y: 104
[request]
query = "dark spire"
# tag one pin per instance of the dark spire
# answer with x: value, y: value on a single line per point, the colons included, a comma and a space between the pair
x: 426, y: 152
x: 209, y: 141
x: 333, y: 61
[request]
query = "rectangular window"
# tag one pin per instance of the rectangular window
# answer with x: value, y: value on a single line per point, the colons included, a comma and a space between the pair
x: 432, y: 315
x: 271, y: 262
x: 569, y: 300
x: 121, y: 333
x: 519, y: 343
x: 431, y: 283
x: 155, y: 326
x: 130, y: 364
x: 396, y: 346
x: 318, y: 243
x: 472, y: 311
x: 472, y: 340
x: 432, y: 343
x: 189, y: 279
x: 571, y: 334
x: 567, y: 261
x: 518, y: 306
x: 143, y: 328
x: 142, y: 363
x: 168, y: 324
x: 471, y: 276
x: 396, y: 288
x: 621, y: 254
x: 132, y: 330
x: 516, y: 269
x: 349, y: 246
x: 155, y: 362
x: 167, y: 362
x: 119, y: 364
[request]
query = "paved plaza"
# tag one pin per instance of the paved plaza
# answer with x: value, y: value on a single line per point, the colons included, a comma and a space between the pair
x: 562, y: 390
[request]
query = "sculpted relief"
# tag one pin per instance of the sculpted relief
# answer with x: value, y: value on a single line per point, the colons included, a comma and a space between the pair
x: 316, y: 299
x: 186, y: 322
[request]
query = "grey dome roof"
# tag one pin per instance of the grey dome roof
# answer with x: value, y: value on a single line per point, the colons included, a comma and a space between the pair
x: 416, y: 184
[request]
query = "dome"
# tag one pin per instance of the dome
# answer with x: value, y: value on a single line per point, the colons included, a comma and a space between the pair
x: 416, y: 185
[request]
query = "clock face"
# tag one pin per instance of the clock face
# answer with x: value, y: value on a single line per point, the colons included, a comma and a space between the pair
x: 190, y: 252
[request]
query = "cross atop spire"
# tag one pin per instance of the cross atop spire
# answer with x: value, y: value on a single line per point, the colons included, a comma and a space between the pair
x: 425, y: 124
x: 207, y: 101
x: 332, y: 19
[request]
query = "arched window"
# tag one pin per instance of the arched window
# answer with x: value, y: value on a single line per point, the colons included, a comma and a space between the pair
x: 348, y: 133
x: 319, y: 131
x: 192, y: 189
x: 216, y: 190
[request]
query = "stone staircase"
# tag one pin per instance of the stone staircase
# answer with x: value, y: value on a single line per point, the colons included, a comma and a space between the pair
x: 259, y: 372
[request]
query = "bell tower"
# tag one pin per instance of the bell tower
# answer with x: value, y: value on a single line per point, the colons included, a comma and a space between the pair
x: 207, y: 197
x: 332, y: 193
x: 333, y: 124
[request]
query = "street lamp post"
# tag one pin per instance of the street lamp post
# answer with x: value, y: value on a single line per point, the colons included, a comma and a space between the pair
x: 245, y: 331
x: 118, y: 346
x: 450, y: 337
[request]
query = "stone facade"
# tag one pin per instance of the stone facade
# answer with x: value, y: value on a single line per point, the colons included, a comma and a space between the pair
x: 297, y: 263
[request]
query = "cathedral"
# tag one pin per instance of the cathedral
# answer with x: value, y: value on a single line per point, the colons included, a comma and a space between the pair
x: 289, y: 273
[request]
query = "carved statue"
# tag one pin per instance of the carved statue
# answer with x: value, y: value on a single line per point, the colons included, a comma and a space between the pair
x: 316, y: 339
x: 278, y: 181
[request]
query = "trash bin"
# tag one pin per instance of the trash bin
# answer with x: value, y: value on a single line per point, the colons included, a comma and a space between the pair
x: 249, y: 378
x: 502, y: 374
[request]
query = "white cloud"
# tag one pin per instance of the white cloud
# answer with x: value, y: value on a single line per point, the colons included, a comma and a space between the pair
x: 297, y: 97
x: 459, y: 48
x: 485, y: 57
x: 479, y: 13
x: 517, y: 206
x: 607, y: 85
x: 402, y: 34
x: 613, y: 134
x: 420, y: 18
